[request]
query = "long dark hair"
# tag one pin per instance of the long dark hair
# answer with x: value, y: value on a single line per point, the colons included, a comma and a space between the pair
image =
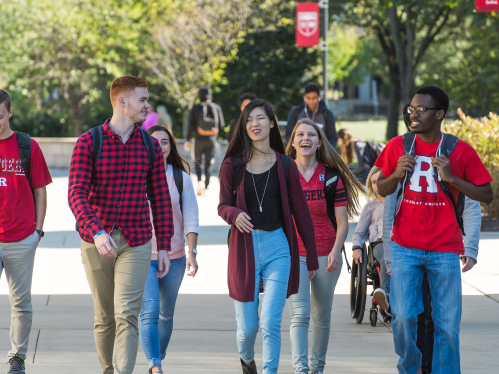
x: 241, y: 144
x: 329, y: 157
x: 174, y: 158
x: 346, y: 145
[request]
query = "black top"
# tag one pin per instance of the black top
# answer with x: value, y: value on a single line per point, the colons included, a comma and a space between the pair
x: 270, y: 218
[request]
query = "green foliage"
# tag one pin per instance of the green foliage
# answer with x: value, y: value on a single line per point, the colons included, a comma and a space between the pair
x: 483, y: 135
x: 269, y: 65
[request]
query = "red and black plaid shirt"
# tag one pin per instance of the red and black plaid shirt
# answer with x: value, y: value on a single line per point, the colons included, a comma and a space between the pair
x: 114, y: 198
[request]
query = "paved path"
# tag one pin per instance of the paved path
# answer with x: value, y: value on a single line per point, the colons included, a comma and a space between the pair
x: 204, y: 336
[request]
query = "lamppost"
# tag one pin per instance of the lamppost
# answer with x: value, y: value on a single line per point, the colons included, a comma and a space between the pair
x: 324, y: 5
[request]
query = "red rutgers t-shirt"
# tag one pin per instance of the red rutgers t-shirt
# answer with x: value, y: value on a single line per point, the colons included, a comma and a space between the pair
x: 17, y: 208
x: 325, y: 235
x: 426, y: 219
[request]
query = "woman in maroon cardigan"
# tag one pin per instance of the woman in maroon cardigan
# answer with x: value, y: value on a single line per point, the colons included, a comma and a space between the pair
x: 263, y: 242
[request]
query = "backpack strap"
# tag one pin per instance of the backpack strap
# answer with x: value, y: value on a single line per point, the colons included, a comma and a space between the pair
x: 151, y: 154
x: 97, y: 140
x: 24, y: 145
x: 148, y: 143
x: 448, y: 144
x: 331, y: 179
x: 409, y: 144
x: 179, y: 182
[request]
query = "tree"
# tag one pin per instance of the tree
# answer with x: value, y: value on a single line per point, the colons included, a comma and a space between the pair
x: 192, y: 47
x: 269, y: 65
x: 60, y: 45
x: 405, y: 30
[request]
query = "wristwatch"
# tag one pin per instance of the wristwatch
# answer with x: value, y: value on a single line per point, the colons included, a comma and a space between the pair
x: 41, y: 233
x: 194, y: 250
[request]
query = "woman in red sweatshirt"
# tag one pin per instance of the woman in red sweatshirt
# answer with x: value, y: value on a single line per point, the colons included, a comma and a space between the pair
x: 259, y: 205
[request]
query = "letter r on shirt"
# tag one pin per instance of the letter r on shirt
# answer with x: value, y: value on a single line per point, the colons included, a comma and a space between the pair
x: 423, y: 169
x: 3, y: 182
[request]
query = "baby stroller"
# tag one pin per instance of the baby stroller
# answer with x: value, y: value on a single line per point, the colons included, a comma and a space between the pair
x: 365, y: 274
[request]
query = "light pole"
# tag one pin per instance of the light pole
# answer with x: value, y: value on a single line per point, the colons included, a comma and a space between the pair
x: 323, y: 45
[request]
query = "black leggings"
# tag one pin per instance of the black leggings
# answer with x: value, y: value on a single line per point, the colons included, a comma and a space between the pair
x: 204, y: 146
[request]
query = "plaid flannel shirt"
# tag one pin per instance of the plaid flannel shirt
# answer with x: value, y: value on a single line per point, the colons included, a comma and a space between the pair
x: 114, y: 197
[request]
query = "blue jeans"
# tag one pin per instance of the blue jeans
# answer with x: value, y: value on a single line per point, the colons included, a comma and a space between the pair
x: 314, y: 297
x: 273, y: 264
x: 158, y: 305
x: 406, y: 297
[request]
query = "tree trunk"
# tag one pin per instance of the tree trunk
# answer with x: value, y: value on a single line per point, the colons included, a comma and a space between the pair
x: 393, y: 107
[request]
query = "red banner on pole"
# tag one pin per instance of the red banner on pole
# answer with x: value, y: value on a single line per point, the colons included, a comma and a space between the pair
x: 307, y: 24
x: 487, y: 5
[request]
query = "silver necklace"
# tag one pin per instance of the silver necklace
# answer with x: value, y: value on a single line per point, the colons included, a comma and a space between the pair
x: 256, y: 192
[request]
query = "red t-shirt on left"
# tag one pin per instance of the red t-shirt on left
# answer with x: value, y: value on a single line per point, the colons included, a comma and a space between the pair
x: 17, y: 208
x: 325, y: 235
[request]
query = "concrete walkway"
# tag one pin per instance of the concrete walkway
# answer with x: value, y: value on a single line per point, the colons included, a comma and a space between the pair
x: 204, y: 334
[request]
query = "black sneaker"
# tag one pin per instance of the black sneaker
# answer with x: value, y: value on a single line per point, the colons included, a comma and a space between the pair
x: 16, y: 364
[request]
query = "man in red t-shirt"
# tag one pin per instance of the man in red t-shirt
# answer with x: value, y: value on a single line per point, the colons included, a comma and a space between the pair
x: 426, y: 235
x: 22, y: 212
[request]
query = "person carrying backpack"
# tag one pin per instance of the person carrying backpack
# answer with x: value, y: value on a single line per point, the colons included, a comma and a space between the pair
x: 114, y: 169
x: 23, y: 203
x: 160, y: 295
x: 436, y: 172
x: 316, y: 109
x: 260, y: 195
x: 332, y: 193
x: 206, y: 119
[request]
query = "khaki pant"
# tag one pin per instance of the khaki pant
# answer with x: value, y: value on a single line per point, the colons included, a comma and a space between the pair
x: 117, y: 285
x: 18, y: 259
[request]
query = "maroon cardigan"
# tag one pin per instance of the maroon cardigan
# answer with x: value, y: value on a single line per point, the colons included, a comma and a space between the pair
x: 241, y: 274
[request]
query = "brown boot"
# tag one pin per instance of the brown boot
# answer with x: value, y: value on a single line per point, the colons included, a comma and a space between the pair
x: 251, y: 369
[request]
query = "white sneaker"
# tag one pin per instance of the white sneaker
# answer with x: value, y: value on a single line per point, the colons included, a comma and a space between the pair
x: 382, y: 298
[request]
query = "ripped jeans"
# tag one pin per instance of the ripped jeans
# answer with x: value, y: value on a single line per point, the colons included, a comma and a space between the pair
x: 158, y: 306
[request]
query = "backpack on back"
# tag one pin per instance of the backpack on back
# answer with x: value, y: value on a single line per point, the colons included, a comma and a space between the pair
x: 449, y: 142
x: 24, y: 145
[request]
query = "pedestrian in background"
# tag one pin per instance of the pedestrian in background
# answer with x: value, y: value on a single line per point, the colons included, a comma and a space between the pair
x: 164, y: 119
x: 205, y: 121
x: 244, y: 100
x: 263, y: 242
x: 151, y: 118
x: 23, y: 203
x: 160, y: 294
x: 108, y: 199
x: 332, y: 194
x: 314, y: 108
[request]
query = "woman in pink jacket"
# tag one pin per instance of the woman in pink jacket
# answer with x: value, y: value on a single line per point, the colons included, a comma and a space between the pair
x: 160, y: 295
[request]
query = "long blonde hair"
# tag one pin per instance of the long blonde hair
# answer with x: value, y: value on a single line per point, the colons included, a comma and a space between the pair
x: 329, y: 157
x: 371, y: 195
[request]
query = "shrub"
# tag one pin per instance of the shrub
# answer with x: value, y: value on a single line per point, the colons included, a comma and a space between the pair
x: 483, y: 135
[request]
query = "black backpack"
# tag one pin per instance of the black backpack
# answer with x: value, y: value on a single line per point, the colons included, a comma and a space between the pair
x: 449, y: 142
x: 331, y: 179
x: 24, y: 145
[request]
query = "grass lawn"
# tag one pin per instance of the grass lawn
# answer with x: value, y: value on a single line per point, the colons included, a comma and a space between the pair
x: 368, y: 130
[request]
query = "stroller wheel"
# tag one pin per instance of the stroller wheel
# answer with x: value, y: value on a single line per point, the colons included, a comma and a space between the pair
x: 373, y: 317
